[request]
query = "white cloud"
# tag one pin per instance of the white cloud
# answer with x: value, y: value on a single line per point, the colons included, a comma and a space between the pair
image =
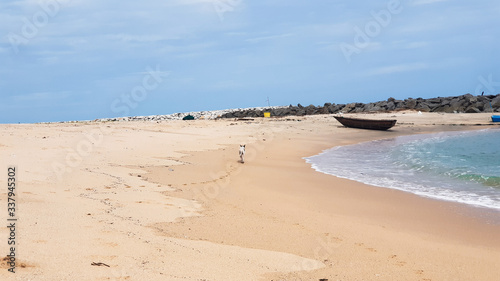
x: 140, y: 38
x: 236, y: 33
x: 48, y: 60
x: 191, y: 2
x: 397, y: 68
x: 332, y: 31
x: 263, y: 38
x: 416, y: 45
x: 41, y: 96
x: 410, y: 45
x: 425, y: 2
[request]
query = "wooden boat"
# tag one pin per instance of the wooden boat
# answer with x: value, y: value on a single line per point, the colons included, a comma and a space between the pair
x: 495, y: 118
x: 371, y: 124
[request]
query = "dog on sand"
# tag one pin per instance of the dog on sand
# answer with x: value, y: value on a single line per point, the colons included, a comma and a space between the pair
x: 242, y: 153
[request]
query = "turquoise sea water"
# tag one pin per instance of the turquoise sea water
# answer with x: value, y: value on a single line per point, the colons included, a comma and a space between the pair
x: 458, y: 166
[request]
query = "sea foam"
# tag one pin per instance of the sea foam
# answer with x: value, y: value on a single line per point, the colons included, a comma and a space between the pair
x: 454, y: 166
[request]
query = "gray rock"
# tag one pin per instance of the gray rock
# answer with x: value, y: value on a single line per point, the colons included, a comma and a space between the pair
x: 470, y: 98
x: 311, y: 110
x: 349, y: 107
x: 472, y: 109
x: 480, y: 105
x: 464, y: 103
x: 323, y: 110
x: 391, y: 106
x: 456, y: 107
x: 445, y: 102
x: 332, y: 108
x: 434, y: 101
x: 372, y: 108
x: 495, y: 102
x: 337, y: 108
x: 423, y: 107
x: 411, y: 103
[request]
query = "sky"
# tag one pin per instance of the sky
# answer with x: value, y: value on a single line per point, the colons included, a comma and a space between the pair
x: 63, y: 60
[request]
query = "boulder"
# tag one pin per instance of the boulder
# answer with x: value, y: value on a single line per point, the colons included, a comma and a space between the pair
x: 480, y: 105
x: 441, y: 108
x: 400, y: 104
x: 423, y: 107
x: 323, y: 110
x: 337, y: 108
x: 410, y: 103
x: 470, y: 98
x: 311, y: 110
x: 445, y: 102
x: 495, y: 102
x: 457, y: 106
x: 434, y: 100
x: 332, y: 108
x: 472, y: 109
x: 391, y: 106
x: 349, y: 107
x: 357, y: 109
x: 372, y: 107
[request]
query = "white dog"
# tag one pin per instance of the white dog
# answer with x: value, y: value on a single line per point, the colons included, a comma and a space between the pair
x: 242, y: 153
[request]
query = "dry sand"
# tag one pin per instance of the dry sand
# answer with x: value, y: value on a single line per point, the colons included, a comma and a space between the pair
x: 170, y: 201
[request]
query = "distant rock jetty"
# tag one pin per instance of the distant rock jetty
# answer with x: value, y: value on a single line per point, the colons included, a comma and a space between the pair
x: 459, y: 104
x: 207, y: 115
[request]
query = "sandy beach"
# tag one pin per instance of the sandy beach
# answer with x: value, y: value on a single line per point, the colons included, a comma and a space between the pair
x: 170, y: 201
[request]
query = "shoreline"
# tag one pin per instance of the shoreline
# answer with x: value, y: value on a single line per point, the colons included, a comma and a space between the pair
x: 439, y: 219
x: 400, y: 183
x: 170, y: 201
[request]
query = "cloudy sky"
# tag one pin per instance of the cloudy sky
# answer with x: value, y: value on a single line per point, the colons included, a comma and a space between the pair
x: 86, y: 59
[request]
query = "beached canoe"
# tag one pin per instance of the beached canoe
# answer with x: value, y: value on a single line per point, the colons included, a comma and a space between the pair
x: 372, y: 124
x: 495, y: 118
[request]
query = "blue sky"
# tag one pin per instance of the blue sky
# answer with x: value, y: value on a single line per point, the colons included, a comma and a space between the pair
x: 85, y: 59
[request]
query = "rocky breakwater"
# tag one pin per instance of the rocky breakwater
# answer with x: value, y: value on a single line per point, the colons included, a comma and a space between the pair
x: 207, y: 115
x: 457, y: 104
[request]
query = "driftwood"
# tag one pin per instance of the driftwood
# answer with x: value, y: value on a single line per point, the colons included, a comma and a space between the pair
x: 99, y: 264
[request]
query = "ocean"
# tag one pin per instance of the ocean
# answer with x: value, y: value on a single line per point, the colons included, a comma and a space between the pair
x: 461, y: 167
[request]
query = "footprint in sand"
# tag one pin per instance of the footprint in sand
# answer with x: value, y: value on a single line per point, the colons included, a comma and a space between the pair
x: 336, y: 239
x: 401, y: 263
x: 4, y: 263
x: 366, y: 248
